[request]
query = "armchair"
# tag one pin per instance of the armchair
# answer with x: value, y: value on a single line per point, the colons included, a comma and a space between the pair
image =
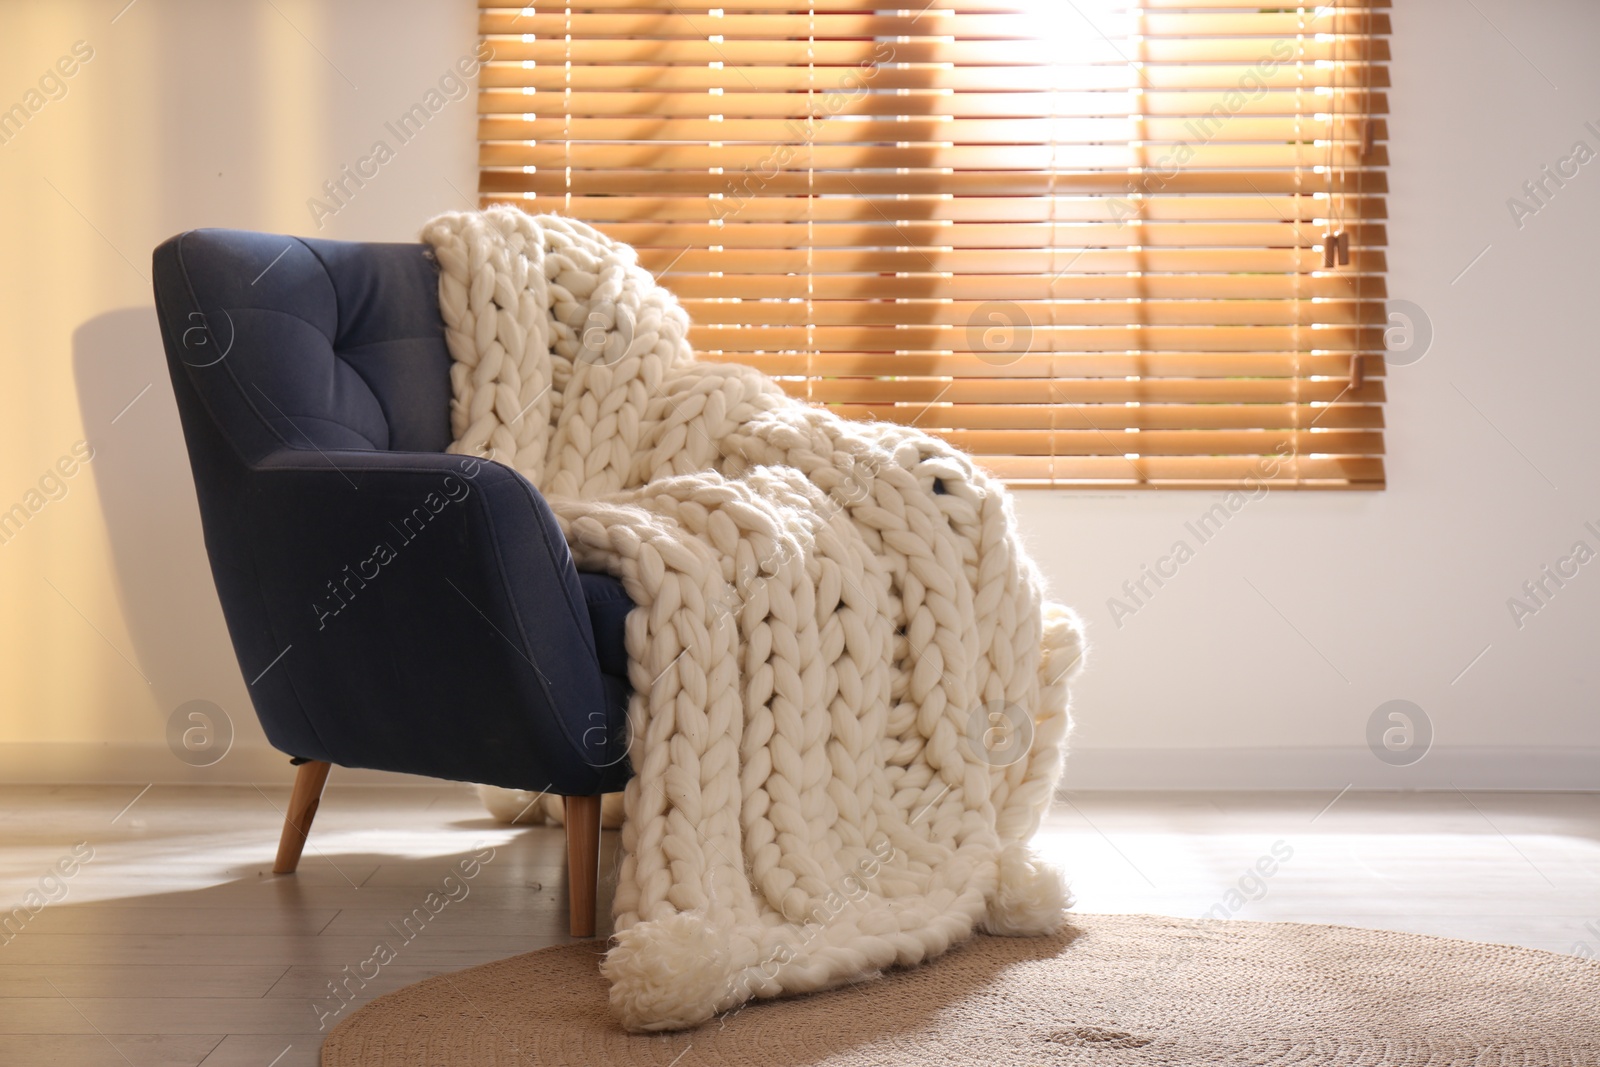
x: 391, y: 606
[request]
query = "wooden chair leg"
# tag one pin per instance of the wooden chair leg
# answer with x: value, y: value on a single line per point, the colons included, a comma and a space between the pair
x: 303, y: 803
x: 583, y: 862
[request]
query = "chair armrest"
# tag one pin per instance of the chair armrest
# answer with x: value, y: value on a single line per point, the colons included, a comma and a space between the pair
x: 426, y: 616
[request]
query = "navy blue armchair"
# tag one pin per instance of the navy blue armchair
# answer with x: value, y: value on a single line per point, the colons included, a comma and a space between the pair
x: 391, y: 606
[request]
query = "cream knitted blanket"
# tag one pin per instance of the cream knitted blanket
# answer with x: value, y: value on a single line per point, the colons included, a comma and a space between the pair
x: 850, y: 694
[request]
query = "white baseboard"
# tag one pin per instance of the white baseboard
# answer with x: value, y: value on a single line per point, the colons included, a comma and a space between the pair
x: 132, y: 763
x: 1520, y: 768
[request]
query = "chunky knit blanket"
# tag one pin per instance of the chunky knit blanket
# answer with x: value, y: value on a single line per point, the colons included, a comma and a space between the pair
x: 849, y: 699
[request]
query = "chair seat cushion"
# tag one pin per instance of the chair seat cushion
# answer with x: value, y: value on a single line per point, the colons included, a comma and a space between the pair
x: 608, y: 607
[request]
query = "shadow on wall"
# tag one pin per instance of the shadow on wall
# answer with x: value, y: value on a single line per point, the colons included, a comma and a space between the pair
x: 141, y: 471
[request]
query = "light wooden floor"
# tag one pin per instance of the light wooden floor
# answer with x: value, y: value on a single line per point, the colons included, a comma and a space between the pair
x: 176, y: 945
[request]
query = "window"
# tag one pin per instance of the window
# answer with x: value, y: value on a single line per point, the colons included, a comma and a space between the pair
x: 1096, y: 245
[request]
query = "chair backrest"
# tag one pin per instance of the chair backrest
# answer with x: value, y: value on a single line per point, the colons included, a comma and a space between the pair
x: 288, y: 341
x: 278, y: 343
x: 281, y: 348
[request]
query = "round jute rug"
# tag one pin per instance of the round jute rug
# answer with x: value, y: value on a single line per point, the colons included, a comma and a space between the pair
x: 1113, y: 989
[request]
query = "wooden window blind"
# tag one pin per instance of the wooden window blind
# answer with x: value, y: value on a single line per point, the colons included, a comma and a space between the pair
x: 1097, y: 245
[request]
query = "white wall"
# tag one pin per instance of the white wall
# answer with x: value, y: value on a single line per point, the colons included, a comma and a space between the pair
x: 1492, y: 446
x: 199, y: 114
x: 190, y: 113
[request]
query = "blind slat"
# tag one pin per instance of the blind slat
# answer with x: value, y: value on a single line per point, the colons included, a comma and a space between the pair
x: 1139, y: 416
x: 929, y: 22
x: 863, y: 288
x: 1078, y: 313
x: 847, y: 374
x: 780, y: 235
x: 700, y: 7
x: 936, y: 131
x: 915, y: 337
x: 1070, y: 390
x: 1188, y: 472
x: 1036, y: 158
x: 1066, y: 263
x: 963, y: 209
x: 915, y: 103
x: 1223, y: 77
x: 1060, y: 442
x: 667, y: 53
x: 555, y: 181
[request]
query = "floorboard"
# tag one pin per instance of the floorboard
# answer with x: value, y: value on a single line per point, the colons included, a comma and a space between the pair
x: 174, y: 944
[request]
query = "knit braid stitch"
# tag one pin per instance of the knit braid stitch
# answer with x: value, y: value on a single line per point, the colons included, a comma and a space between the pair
x: 833, y: 623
